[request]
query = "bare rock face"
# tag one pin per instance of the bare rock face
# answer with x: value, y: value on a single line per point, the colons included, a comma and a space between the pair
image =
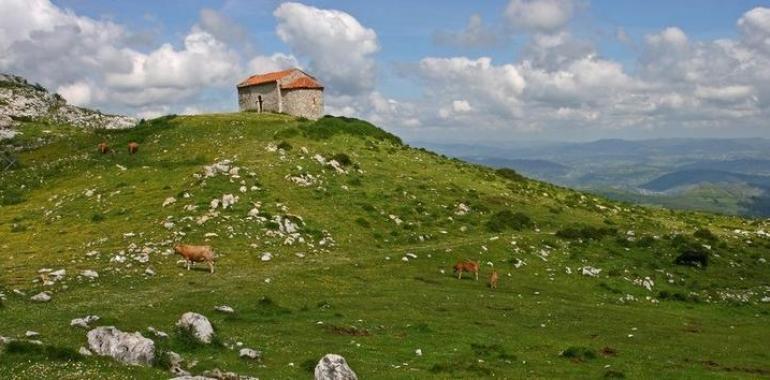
x: 129, y: 348
x: 334, y: 367
x: 198, y: 325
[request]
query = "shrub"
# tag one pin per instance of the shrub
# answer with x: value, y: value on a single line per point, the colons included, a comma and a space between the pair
x: 510, y: 174
x: 585, y: 233
x: 329, y: 126
x: 505, y: 219
x: 97, y: 217
x: 342, y: 158
x: 693, y: 257
x: 284, y: 145
x: 705, y: 234
x: 363, y: 223
x: 46, y: 352
x: 579, y: 353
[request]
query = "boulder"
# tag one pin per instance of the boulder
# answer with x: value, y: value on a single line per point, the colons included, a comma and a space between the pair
x: 248, y: 353
x: 224, y: 309
x: 334, y: 367
x: 124, y: 347
x: 198, y: 325
x: 83, y: 322
x: 41, y: 297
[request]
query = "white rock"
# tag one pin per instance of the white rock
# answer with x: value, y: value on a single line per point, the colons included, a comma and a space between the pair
x: 411, y: 255
x: 334, y: 367
x: 224, y: 309
x: 198, y: 325
x: 124, y: 347
x: 149, y: 272
x: 590, y: 271
x: 41, y: 297
x: 228, y: 200
x: 214, y: 203
x: 89, y: 273
x: 84, y: 351
x: 418, y: 352
x: 169, y: 201
x: 168, y: 225
x: 267, y: 256
x: 156, y: 332
x: 84, y: 322
x: 243, y: 189
x: 30, y: 334
x: 248, y: 353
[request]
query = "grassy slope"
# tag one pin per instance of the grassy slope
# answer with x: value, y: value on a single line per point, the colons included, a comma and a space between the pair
x: 374, y: 311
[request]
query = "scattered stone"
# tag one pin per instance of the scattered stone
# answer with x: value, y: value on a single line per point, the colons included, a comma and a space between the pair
x: 224, y: 309
x: 124, y: 347
x: 157, y: 333
x: 30, y: 334
x: 198, y: 325
x: 169, y: 201
x: 418, y: 352
x: 88, y: 273
x: 334, y: 367
x: 590, y: 271
x: 267, y: 256
x: 248, y: 353
x: 84, y: 322
x: 41, y: 297
x: 84, y: 351
x: 228, y: 200
x: 149, y: 272
x: 168, y: 225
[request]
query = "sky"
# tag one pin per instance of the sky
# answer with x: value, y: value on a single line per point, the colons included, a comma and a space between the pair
x: 449, y: 71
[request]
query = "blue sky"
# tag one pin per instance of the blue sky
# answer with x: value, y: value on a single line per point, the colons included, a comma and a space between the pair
x: 452, y: 70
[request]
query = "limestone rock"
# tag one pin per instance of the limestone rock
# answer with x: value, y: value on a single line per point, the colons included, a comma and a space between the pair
x: 334, y: 367
x: 129, y: 348
x: 198, y: 325
x: 41, y: 297
x: 248, y: 353
x: 84, y: 322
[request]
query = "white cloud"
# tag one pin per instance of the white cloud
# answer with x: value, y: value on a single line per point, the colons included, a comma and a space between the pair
x: 275, y: 62
x: 222, y: 27
x: 539, y: 15
x: 78, y: 93
x: 475, y: 35
x: 338, y: 48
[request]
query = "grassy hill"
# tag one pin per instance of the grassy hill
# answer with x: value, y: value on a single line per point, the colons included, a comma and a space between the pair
x: 368, y: 274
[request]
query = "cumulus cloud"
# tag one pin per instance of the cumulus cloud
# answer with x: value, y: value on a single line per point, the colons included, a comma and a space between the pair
x: 274, y: 62
x: 222, y: 27
x: 338, y: 48
x: 539, y: 15
x: 475, y: 35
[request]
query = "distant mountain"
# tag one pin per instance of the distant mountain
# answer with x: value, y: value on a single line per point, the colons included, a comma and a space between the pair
x: 693, y: 177
x: 532, y: 168
x: 745, y: 166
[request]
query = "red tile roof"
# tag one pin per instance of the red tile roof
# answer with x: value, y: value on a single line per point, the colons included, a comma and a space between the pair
x: 305, y: 81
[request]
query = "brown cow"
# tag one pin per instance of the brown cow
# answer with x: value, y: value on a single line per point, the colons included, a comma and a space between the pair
x: 196, y: 254
x: 104, y: 148
x: 493, y: 279
x: 466, y: 266
x: 133, y: 147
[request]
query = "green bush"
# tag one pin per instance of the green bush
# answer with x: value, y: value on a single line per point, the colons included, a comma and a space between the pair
x: 363, y: 223
x: 705, y: 234
x: 506, y: 219
x: 284, y: 145
x: 693, y: 256
x: 579, y: 353
x: 510, y: 174
x: 342, y: 158
x: 329, y: 126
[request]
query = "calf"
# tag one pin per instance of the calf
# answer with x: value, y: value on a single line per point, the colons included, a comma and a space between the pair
x: 103, y: 148
x: 196, y: 254
x: 133, y: 147
x: 466, y: 266
x: 493, y: 279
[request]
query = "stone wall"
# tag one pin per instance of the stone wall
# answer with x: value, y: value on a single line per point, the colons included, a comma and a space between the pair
x: 248, y: 97
x: 304, y: 102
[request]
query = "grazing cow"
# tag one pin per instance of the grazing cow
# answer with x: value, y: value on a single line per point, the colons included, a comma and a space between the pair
x: 104, y: 148
x: 493, y: 279
x: 196, y: 254
x: 466, y: 266
x: 133, y: 147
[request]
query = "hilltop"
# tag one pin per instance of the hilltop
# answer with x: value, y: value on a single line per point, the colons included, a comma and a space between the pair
x: 334, y: 236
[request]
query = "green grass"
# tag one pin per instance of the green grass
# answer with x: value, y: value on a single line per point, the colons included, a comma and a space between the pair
x: 355, y: 296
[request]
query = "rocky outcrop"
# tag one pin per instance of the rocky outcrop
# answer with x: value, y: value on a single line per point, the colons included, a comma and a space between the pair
x: 124, y: 347
x: 20, y: 100
x: 334, y: 367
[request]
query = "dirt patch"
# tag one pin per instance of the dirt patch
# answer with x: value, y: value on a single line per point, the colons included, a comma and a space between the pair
x: 608, y: 351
